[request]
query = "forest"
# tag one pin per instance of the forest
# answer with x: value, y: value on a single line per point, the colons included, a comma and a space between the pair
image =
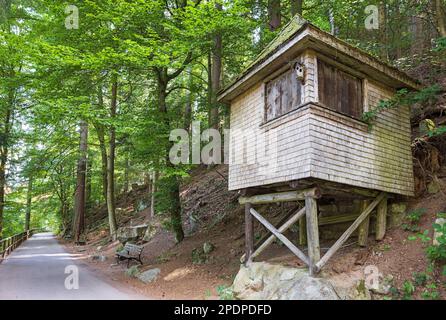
x: 90, y: 90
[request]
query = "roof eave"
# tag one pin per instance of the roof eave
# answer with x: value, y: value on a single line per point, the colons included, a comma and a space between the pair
x: 306, y: 38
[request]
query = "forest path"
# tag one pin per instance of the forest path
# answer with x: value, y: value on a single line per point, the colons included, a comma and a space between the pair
x: 36, y: 270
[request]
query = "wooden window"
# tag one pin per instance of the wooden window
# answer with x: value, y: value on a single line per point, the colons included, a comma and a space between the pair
x: 283, y: 94
x: 339, y: 90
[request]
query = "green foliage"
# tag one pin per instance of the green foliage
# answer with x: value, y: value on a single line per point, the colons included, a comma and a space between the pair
x: 59, y: 76
x: 424, y: 237
x: 437, y: 253
x: 225, y: 292
x: 438, y: 131
x: 430, y: 292
x: 413, y: 218
x: 403, y: 97
x: 440, y: 44
x: 420, y: 278
x: 408, y: 290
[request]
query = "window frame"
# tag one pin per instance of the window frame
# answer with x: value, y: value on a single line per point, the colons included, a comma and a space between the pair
x: 349, y: 72
x: 274, y: 76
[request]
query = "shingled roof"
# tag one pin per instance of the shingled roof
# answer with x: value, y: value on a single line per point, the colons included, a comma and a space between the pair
x: 299, y: 34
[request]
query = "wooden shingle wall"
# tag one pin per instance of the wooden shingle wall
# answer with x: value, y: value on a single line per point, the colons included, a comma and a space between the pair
x: 313, y: 141
x: 289, y: 137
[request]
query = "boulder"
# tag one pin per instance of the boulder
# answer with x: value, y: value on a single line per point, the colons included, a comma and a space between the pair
x: 384, y: 285
x: 433, y: 187
x: 141, y: 205
x: 309, y: 288
x: 208, y: 247
x: 261, y: 280
x: 149, y: 275
x: 149, y: 233
x: 126, y: 234
x: 397, y: 212
x: 98, y: 257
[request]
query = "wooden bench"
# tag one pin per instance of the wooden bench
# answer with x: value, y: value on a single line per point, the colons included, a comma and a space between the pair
x: 129, y: 253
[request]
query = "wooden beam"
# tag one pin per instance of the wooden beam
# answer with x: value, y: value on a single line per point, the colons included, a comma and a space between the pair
x: 381, y: 219
x: 338, y: 218
x: 249, y: 233
x: 303, y: 231
x: 349, y: 231
x: 314, y: 250
x: 280, y: 236
x: 281, y: 196
x: 363, y: 229
x: 297, y: 215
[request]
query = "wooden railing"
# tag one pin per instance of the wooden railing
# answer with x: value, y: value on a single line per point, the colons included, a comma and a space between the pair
x: 7, y: 245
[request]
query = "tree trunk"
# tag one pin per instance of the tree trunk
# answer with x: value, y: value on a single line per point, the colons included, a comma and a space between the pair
x: 79, y: 202
x: 215, y: 77
x: 101, y: 137
x: 189, y: 101
x: 296, y: 7
x: 4, y: 152
x: 153, y: 191
x: 88, y: 182
x: 441, y: 19
x: 331, y: 19
x: 274, y: 14
x: 3, y: 159
x: 383, y: 34
x: 126, y: 172
x: 171, y: 181
x: 29, y: 196
x: 111, y: 164
x: 100, y: 131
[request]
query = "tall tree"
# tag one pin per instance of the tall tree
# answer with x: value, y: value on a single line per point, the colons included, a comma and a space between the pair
x: 296, y: 7
x: 441, y: 17
x: 111, y: 205
x: 79, y: 202
x: 274, y: 14
x: 216, y: 66
x: 29, y: 195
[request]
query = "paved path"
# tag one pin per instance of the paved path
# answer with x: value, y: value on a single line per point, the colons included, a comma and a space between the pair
x: 36, y: 270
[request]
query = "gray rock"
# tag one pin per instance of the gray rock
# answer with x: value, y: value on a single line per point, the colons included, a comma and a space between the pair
x: 208, y: 247
x: 150, y: 232
x: 397, y: 213
x: 133, y: 271
x: 98, y: 257
x: 385, y: 283
x: 142, y: 205
x: 262, y: 280
x: 433, y: 187
x: 309, y: 288
x: 126, y: 234
x: 149, y: 275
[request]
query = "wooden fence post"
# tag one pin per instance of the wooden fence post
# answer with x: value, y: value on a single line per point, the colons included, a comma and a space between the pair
x: 249, y: 234
x: 381, y: 217
x: 363, y: 229
x: 314, y: 252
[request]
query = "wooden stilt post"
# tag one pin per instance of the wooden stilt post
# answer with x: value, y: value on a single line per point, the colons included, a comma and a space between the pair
x: 303, y: 231
x: 381, y: 219
x: 363, y: 229
x: 249, y: 234
x: 314, y: 253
